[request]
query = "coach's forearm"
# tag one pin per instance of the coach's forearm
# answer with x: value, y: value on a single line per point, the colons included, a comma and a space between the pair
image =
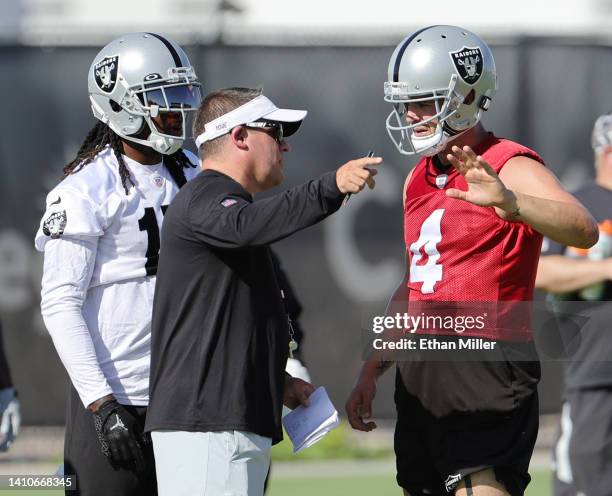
x: 566, y: 223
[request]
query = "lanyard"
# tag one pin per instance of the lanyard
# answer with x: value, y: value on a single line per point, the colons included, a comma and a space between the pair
x: 293, y: 346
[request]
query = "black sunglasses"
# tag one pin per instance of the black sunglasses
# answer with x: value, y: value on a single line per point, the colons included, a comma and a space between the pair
x: 275, y: 128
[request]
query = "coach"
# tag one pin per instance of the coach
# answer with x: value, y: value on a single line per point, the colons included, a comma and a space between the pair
x: 220, y: 335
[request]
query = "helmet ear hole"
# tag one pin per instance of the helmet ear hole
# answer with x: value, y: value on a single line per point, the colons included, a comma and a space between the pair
x: 115, y: 106
x: 143, y: 131
x: 469, y: 98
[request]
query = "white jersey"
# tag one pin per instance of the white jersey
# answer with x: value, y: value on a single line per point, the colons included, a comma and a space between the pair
x: 101, y: 251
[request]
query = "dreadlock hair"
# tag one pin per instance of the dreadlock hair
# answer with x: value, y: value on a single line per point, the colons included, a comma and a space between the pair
x: 101, y: 136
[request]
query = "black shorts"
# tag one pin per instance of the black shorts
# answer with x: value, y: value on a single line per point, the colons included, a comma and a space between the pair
x: 457, y: 418
x: 583, y: 451
x: 95, y: 476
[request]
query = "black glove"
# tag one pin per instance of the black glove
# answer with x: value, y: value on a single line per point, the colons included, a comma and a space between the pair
x: 120, y: 436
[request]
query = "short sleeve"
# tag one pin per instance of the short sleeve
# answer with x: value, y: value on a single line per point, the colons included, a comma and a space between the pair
x: 71, y: 213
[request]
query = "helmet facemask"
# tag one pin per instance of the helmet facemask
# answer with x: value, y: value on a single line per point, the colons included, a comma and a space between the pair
x: 402, y: 133
x: 178, y: 93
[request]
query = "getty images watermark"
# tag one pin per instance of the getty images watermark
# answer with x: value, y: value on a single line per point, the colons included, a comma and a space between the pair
x: 426, y: 324
x: 489, y: 331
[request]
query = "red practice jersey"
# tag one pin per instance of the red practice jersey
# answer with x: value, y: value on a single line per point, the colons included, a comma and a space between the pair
x: 460, y: 252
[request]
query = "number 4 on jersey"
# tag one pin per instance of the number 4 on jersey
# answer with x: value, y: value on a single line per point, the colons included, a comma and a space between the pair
x: 429, y: 237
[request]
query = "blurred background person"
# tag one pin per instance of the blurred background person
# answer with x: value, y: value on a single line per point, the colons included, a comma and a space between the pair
x: 583, y: 451
x: 10, y: 414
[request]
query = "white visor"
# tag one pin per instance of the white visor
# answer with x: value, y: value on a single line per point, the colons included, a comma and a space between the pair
x: 258, y: 108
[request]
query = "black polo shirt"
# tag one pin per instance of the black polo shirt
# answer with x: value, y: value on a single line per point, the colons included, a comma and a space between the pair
x: 219, y: 332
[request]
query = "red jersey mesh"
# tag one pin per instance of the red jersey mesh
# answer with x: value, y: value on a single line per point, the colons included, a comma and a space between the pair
x: 463, y: 252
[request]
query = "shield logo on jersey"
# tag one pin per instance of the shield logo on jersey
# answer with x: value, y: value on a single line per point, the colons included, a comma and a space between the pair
x: 468, y: 63
x: 55, y: 224
x: 441, y: 181
x: 157, y: 180
x: 105, y: 73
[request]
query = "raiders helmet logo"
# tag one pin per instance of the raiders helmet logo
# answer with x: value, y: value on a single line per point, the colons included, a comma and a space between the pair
x: 468, y: 63
x: 55, y: 224
x: 105, y: 73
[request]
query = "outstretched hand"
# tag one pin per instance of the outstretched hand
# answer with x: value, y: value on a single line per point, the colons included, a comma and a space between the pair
x: 485, y: 188
x: 353, y: 176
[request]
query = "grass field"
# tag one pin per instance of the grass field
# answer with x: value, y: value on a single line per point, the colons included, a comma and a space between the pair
x: 357, y: 485
x: 336, y: 445
x: 336, y: 466
x: 379, y: 485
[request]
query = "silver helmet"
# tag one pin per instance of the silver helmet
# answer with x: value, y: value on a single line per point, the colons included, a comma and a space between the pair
x: 138, y: 77
x: 448, y: 66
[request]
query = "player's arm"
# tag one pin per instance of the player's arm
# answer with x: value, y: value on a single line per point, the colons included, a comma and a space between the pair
x: 379, y: 365
x: 68, y: 266
x: 544, y: 204
x: 528, y: 192
x: 561, y: 274
x: 359, y: 403
x: 67, y: 270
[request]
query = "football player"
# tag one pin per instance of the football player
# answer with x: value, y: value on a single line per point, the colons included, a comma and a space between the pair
x: 475, y: 209
x: 100, y: 235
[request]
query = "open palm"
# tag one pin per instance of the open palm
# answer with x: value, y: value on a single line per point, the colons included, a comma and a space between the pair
x: 484, y: 186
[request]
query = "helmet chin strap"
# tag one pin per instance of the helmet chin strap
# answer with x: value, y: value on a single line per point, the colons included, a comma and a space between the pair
x: 165, y: 145
x: 428, y: 146
x: 434, y: 144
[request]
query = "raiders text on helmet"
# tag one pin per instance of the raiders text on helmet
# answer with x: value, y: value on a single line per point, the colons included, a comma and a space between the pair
x: 448, y: 66
x: 135, y: 78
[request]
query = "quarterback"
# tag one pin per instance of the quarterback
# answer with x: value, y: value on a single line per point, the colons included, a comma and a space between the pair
x: 101, y: 235
x: 475, y: 209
